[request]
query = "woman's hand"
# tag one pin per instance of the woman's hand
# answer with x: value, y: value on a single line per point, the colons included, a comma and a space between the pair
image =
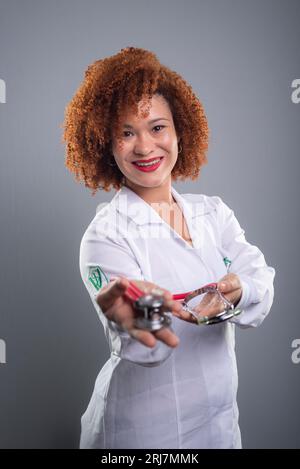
x: 118, y: 308
x: 230, y: 287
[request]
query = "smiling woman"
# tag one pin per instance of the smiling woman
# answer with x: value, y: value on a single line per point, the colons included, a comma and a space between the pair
x: 136, y: 126
x: 95, y: 119
x: 147, y: 154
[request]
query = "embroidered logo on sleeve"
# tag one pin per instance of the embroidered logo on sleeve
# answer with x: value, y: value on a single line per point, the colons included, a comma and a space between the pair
x: 97, y: 277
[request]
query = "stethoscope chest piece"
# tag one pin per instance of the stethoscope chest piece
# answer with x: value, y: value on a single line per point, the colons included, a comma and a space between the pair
x: 150, y: 314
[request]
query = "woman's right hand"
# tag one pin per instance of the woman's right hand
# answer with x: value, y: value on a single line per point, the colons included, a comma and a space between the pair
x: 116, y: 307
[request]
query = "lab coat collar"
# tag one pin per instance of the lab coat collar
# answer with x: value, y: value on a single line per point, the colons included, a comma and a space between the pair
x: 194, y: 207
x: 127, y: 202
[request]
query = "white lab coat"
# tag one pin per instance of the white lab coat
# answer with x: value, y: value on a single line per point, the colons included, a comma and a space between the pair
x: 170, y: 398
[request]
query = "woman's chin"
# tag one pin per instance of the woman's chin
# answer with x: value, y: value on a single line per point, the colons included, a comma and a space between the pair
x: 148, y: 180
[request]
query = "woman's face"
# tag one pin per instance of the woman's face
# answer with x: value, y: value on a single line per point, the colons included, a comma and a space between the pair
x: 144, y: 140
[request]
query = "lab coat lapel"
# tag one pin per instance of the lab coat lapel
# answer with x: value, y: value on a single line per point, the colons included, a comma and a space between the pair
x: 205, y: 240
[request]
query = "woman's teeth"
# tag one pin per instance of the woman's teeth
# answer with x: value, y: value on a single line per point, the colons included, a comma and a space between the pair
x: 148, y: 164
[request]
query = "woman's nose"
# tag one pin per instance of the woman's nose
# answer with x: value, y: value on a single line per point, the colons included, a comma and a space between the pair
x: 143, y: 145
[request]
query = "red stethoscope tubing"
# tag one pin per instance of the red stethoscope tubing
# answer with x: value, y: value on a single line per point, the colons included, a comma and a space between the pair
x: 134, y: 293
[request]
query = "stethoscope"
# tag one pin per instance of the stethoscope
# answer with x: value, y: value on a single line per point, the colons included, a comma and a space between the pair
x: 149, y: 307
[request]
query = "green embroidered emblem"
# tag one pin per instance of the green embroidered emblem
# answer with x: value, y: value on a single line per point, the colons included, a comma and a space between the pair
x: 227, y: 262
x: 97, y: 277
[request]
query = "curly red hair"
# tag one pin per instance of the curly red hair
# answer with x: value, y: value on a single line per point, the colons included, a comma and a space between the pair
x: 121, y: 81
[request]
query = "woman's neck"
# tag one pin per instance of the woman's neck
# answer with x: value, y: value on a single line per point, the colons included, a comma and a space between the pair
x: 154, y: 195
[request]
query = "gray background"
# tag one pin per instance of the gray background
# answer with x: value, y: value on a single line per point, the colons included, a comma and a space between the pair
x: 240, y: 57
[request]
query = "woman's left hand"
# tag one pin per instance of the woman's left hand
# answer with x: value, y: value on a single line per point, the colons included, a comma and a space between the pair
x: 229, y: 285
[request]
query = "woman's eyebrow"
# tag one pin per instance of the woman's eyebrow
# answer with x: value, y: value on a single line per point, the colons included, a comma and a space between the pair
x: 150, y: 122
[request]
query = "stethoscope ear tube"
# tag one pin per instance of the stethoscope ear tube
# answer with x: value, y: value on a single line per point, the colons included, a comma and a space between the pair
x: 228, y: 313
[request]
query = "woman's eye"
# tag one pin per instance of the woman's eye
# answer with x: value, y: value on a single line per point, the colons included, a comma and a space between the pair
x: 159, y: 126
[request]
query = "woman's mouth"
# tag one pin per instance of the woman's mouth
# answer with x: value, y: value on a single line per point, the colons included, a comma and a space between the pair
x: 148, y: 165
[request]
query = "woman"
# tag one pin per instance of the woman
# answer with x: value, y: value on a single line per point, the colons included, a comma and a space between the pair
x: 136, y: 126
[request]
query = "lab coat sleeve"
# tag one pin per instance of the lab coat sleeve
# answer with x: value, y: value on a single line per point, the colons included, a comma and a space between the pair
x: 101, y: 258
x: 249, y: 264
